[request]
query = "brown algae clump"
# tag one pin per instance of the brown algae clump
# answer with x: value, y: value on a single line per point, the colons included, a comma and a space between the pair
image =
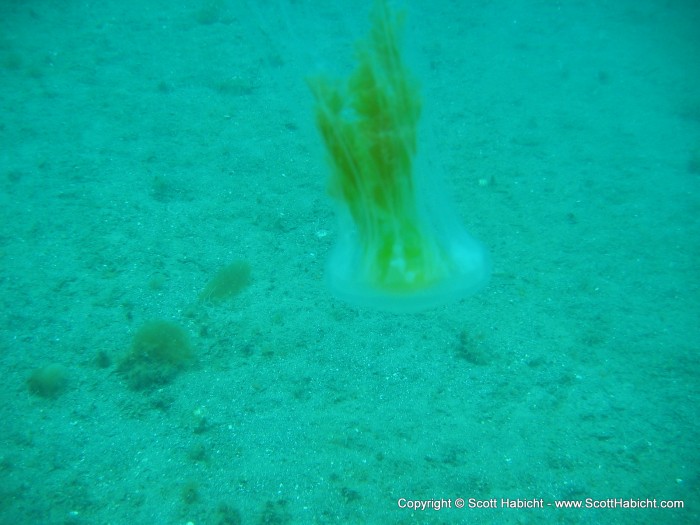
x: 159, y: 350
x: 227, y: 283
x: 49, y: 381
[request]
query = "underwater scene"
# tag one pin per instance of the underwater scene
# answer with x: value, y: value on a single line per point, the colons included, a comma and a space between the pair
x: 364, y: 262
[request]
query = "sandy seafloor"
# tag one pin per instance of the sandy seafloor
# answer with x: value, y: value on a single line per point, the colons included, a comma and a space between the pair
x: 144, y: 145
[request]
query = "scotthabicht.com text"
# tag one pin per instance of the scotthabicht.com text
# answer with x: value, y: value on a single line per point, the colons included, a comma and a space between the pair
x: 537, y: 503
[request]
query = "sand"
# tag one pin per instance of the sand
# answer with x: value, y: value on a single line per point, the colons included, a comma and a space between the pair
x: 145, y: 146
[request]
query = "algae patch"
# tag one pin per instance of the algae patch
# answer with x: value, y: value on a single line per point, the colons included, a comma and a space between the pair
x: 159, y: 350
x: 228, y: 282
x: 49, y: 381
